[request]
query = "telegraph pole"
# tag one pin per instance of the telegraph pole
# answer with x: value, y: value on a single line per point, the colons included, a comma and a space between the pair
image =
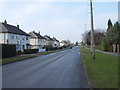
x: 92, y: 32
x: 85, y: 27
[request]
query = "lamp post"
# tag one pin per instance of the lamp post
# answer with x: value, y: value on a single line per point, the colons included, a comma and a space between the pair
x: 92, y: 32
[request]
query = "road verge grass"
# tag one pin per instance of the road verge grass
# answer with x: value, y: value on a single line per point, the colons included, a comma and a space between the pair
x: 17, y: 58
x: 102, y: 72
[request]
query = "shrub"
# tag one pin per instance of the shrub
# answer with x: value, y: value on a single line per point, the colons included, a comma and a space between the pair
x: 104, y: 46
x: 8, y: 50
x: 19, y: 52
x: 60, y: 48
x: 30, y: 51
x: 50, y: 48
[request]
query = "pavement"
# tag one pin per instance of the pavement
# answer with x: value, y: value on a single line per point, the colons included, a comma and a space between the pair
x: 114, y: 54
x: 62, y: 69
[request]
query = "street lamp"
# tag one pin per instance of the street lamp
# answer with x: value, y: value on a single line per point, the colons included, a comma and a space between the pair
x: 92, y: 32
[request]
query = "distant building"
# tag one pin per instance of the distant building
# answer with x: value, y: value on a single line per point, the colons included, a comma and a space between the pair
x: 36, y: 40
x: 65, y: 43
x: 10, y: 34
x: 49, y: 41
x: 56, y: 43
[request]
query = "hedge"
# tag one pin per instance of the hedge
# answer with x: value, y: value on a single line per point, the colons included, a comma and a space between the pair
x: 8, y: 50
x: 19, y: 52
x: 51, y: 48
x: 104, y: 46
x: 30, y: 51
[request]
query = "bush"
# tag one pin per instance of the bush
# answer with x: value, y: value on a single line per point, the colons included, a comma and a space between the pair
x: 104, y: 46
x: 8, y: 50
x: 51, y: 48
x: 60, y: 48
x: 30, y: 51
x: 19, y: 52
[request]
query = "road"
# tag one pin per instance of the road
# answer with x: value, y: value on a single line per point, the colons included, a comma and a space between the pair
x: 63, y: 69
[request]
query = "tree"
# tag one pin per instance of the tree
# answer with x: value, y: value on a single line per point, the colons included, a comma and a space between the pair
x: 109, y: 24
x: 76, y: 43
x: 98, y: 36
x: 86, y: 37
x: 113, y: 34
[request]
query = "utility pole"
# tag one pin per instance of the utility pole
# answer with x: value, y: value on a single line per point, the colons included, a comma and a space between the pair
x: 92, y: 32
x: 85, y: 27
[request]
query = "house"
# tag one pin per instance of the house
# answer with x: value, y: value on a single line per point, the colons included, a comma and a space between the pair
x: 10, y: 34
x: 36, y: 40
x: 49, y: 41
x: 56, y: 42
x: 65, y: 43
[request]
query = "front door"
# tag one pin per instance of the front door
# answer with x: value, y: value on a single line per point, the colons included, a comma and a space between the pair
x: 23, y: 47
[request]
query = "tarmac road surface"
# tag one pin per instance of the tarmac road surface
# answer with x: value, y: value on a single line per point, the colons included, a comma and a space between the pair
x: 62, y: 69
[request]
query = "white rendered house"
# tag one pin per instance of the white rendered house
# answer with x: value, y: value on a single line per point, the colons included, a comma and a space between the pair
x: 49, y: 41
x: 10, y: 34
x: 56, y: 42
x: 36, y: 40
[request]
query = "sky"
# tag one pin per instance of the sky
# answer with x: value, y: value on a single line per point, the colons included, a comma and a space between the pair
x: 63, y: 20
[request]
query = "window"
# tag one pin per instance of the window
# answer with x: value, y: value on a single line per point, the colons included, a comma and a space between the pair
x: 26, y: 38
x: 12, y: 36
x: 23, y: 38
x: 23, y: 47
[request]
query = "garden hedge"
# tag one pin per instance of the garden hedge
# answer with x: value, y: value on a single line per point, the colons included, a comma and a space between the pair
x: 50, y: 48
x: 8, y: 50
x: 30, y: 51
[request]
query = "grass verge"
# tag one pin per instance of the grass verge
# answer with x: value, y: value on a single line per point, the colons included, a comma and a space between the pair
x: 102, y: 72
x: 17, y: 58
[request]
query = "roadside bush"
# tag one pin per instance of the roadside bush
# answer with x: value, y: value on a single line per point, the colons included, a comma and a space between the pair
x: 88, y: 46
x: 19, y: 52
x: 51, y: 48
x: 104, y: 46
x: 8, y: 50
x: 60, y: 48
x: 30, y: 51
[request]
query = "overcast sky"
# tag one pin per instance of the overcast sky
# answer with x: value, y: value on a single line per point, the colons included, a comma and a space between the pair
x: 63, y: 20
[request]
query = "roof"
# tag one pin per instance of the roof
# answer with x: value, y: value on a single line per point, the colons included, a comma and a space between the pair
x: 48, y: 38
x: 36, y: 35
x: 55, y: 39
x: 6, y: 28
x: 64, y: 41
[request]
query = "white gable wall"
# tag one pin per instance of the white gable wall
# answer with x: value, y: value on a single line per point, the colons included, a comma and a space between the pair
x: 19, y: 40
x: 3, y: 38
x: 37, y: 43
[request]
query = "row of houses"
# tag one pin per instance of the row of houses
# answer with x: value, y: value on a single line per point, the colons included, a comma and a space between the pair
x: 10, y: 34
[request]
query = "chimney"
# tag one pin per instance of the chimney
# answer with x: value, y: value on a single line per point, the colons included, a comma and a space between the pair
x: 33, y: 31
x: 18, y: 26
x: 39, y: 32
x: 5, y: 22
